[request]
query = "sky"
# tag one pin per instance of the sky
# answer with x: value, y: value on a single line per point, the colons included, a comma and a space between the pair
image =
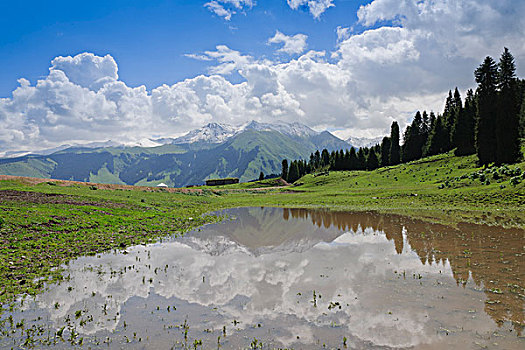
x: 127, y: 70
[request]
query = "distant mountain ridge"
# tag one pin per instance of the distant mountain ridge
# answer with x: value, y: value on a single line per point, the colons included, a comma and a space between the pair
x: 359, y: 142
x: 215, y: 150
x: 210, y: 133
x: 217, y: 133
x: 101, y: 144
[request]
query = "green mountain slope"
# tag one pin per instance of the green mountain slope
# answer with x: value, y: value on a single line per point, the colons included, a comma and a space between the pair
x: 242, y: 156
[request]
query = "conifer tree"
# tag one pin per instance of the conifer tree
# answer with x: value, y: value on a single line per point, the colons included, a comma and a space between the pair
x: 346, y: 161
x: 385, y: 151
x: 449, y: 107
x: 332, y: 160
x: 372, y: 161
x: 455, y: 114
x: 407, y: 144
x: 413, y: 140
x: 340, y: 160
x: 335, y: 160
x: 325, y: 158
x: 284, y: 170
x: 301, y: 167
x: 307, y: 168
x: 456, y: 102
x: 261, y: 176
x: 418, y: 130
x: 448, y: 118
x: 425, y: 128
x: 353, y: 162
x: 395, y: 154
x: 432, y: 122
x: 361, y: 159
x: 522, y: 118
x: 507, y: 121
x: 486, y: 77
x: 463, y: 131
x: 317, y: 159
x: 293, y: 175
x: 437, y: 140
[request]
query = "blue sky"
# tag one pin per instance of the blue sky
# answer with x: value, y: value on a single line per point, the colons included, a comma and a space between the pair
x: 131, y: 70
x: 149, y: 38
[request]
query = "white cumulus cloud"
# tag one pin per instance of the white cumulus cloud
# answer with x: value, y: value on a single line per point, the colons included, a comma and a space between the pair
x: 467, y: 28
x: 316, y: 7
x: 343, y: 33
x: 229, y: 60
x: 226, y: 8
x: 292, y: 44
x: 86, y: 69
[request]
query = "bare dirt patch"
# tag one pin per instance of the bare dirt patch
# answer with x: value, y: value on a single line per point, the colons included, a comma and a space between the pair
x: 99, y: 186
x: 48, y: 198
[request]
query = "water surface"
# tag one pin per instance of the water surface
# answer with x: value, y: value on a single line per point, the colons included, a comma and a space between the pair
x: 291, y: 278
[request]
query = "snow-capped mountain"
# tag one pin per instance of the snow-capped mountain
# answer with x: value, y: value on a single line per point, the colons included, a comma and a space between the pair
x: 218, y: 133
x: 291, y: 129
x: 359, y: 142
x: 145, y: 142
x: 210, y: 133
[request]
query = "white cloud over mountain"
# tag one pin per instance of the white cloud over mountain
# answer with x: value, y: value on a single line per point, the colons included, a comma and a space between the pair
x: 371, y: 78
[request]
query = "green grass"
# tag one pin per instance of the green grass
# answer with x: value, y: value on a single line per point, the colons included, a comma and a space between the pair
x: 56, y: 223
x: 105, y: 176
x: 442, y: 188
x: 245, y: 185
x: 29, y: 167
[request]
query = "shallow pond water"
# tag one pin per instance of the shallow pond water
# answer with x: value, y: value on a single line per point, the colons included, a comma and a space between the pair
x: 290, y: 278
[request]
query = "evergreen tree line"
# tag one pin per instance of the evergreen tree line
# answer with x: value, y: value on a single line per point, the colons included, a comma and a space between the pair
x: 488, y: 122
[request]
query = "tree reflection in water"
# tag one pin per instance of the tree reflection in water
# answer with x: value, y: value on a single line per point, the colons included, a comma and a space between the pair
x: 492, y: 256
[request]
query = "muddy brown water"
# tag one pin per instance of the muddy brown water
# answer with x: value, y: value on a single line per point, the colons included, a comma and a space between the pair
x: 290, y: 278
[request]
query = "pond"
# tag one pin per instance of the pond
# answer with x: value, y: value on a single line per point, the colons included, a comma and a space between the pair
x: 290, y: 278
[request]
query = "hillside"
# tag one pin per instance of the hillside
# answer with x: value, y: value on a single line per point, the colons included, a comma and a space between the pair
x: 257, y: 148
x: 443, y: 188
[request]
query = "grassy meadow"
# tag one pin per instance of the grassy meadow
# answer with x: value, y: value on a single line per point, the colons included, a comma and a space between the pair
x: 44, y: 225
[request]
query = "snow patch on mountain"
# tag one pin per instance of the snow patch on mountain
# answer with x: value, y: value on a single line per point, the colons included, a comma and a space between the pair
x: 291, y: 129
x: 210, y: 133
x: 359, y: 142
x: 142, y: 143
x: 218, y: 133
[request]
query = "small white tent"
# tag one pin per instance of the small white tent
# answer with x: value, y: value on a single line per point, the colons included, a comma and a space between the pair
x: 163, y: 185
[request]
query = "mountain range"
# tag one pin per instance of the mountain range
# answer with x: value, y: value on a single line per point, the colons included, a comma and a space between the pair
x: 215, y: 150
x: 359, y: 142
